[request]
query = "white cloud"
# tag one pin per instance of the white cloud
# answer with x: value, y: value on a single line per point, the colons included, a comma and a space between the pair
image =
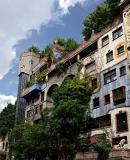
x: 4, y: 100
x: 17, y: 17
x: 64, y: 5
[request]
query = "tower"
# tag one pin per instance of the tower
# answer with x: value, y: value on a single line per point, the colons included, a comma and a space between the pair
x: 28, y: 60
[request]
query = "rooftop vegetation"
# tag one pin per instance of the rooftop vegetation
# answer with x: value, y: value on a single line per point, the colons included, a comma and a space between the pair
x: 101, y: 17
x: 34, y: 49
x: 67, y: 46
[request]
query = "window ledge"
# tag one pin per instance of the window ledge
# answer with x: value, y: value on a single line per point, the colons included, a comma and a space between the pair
x: 122, y: 75
x: 120, y: 54
x: 109, y: 61
x: 119, y: 132
x: 110, y: 82
x: 105, y: 45
x: 106, y: 104
x: 96, y: 107
x: 117, y: 37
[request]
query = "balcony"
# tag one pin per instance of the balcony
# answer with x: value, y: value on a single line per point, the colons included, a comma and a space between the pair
x: 31, y: 90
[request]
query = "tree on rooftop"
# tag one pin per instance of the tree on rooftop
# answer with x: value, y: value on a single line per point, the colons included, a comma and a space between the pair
x: 60, y: 41
x: 101, y: 17
x: 47, y: 52
x: 34, y: 49
x: 70, y: 45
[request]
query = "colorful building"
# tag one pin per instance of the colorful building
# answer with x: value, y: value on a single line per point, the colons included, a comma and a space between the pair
x: 106, y: 57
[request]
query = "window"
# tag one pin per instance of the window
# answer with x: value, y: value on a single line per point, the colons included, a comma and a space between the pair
x: 116, y: 141
x: 90, y: 67
x: 36, y: 110
x: 96, y: 102
x: 119, y: 95
x: 120, y: 50
x: 102, y: 121
x: 110, y: 76
x: 117, y: 33
x: 3, y: 146
x: 121, y: 119
x: 109, y: 56
x: 29, y: 114
x: 107, y: 99
x: 42, y: 96
x: 105, y: 41
x: 40, y: 108
x: 94, y: 83
x: 6, y: 146
x: 122, y: 71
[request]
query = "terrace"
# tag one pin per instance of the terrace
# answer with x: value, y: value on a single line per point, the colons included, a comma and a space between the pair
x: 35, y: 88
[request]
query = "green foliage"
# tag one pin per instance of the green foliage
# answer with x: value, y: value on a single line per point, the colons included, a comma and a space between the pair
x: 70, y: 45
x: 38, y: 77
x: 47, y: 52
x: 60, y: 41
x: 7, y: 119
x: 29, y: 84
x: 101, y: 17
x: 34, y: 49
x: 114, y: 6
x: 56, y: 136
x: 62, y: 67
x: 103, y: 147
x: 31, y: 143
x: 74, y: 89
x: 83, y: 144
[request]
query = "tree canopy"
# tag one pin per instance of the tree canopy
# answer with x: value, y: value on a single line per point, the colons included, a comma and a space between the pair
x: 68, y: 45
x: 101, y: 17
x: 34, y: 49
x: 57, y: 133
x: 7, y: 119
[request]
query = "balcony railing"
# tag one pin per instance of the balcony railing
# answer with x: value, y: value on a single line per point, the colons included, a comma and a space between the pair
x: 34, y: 88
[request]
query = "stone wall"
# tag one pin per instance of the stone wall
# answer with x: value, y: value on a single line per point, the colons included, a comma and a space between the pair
x: 114, y: 155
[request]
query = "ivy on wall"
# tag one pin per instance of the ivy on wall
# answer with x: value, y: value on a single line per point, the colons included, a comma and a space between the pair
x: 62, y: 67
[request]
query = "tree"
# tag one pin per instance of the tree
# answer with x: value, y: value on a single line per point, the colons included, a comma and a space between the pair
x: 31, y: 141
x: 76, y: 89
x: 57, y: 133
x: 7, y: 119
x: 70, y: 45
x: 47, y: 52
x: 60, y: 41
x: 71, y: 102
x: 101, y: 17
x: 34, y: 49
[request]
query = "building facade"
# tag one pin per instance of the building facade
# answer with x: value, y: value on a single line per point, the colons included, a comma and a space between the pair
x: 106, y: 57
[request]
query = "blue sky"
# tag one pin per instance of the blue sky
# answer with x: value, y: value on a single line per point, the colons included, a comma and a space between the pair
x: 28, y: 22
